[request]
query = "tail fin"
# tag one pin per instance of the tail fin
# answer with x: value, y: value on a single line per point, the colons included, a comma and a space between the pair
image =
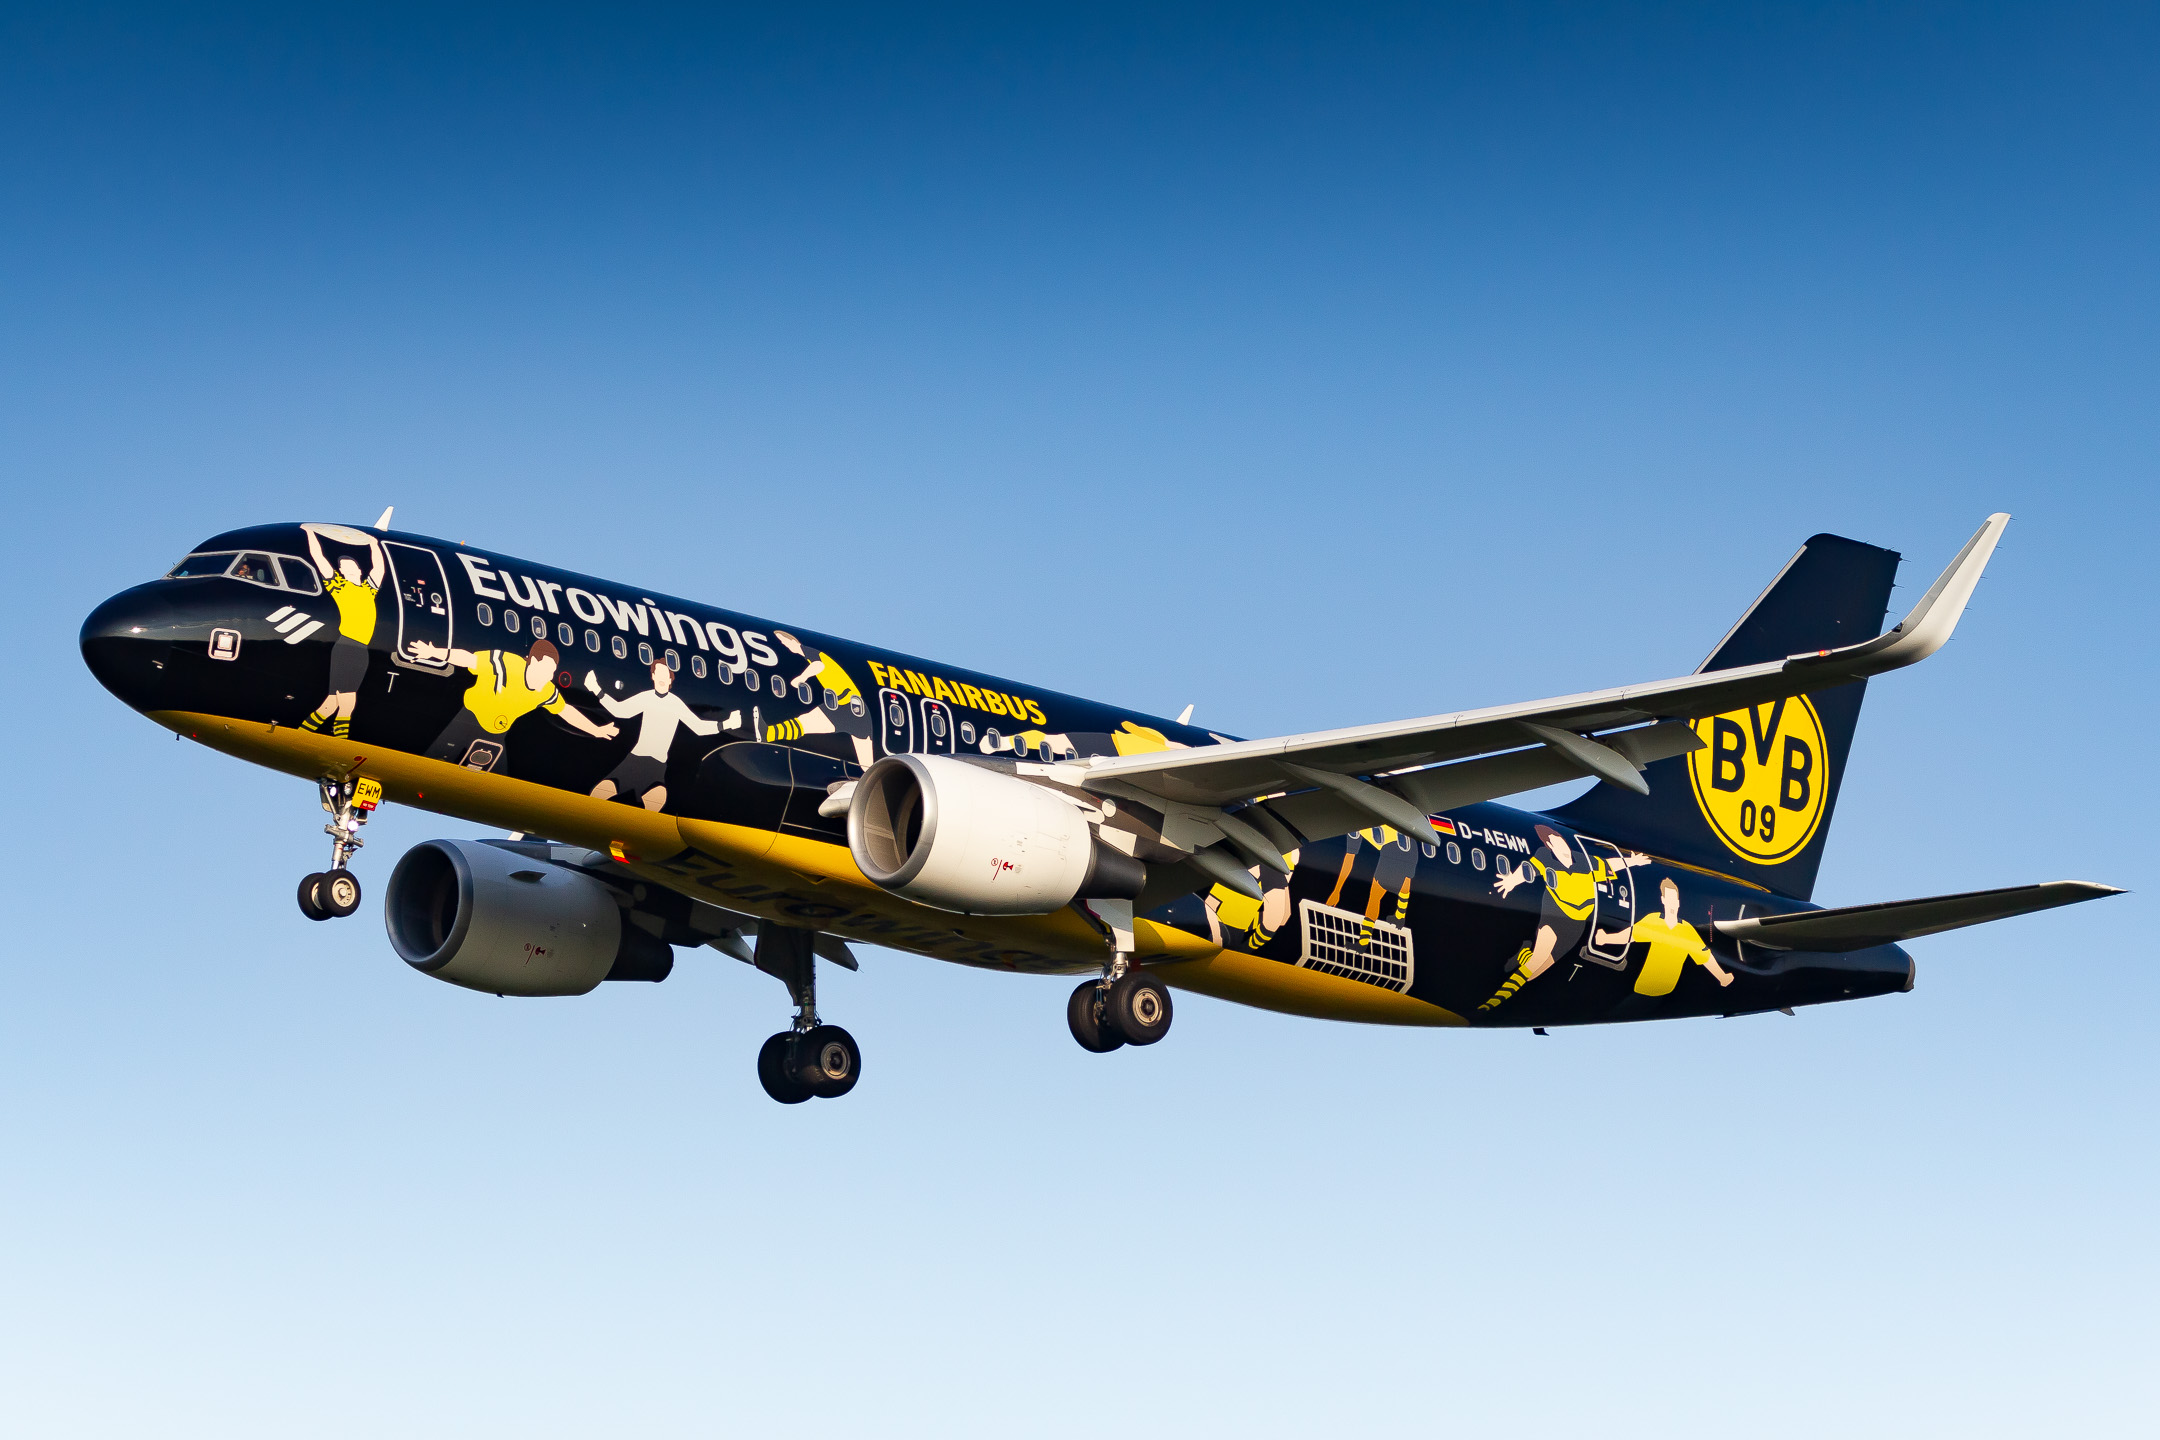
x: 1756, y: 801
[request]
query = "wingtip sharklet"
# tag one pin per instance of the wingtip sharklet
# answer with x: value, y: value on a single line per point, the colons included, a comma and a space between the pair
x: 1930, y: 623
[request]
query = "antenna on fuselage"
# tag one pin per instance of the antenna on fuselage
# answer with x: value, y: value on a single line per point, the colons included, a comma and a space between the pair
x: 382, y: 521
x: 1185, y: 716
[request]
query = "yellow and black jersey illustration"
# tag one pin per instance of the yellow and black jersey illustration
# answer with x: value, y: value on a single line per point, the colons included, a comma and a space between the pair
x: 706, y: 778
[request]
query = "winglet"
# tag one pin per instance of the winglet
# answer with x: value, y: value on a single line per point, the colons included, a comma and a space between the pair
x: 1929, y: 624
x: 382, y: 521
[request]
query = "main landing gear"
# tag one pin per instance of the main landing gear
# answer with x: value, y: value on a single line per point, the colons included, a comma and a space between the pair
x: 809, y: 1060
x: 1127, y: 1006
x: 335, y: 893
x: 1133, y: 1009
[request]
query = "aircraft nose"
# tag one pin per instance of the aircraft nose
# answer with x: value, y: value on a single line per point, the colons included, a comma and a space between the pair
x: 126, y: 642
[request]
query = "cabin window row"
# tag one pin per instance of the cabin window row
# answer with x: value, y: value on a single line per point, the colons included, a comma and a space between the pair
x: 567, y: 637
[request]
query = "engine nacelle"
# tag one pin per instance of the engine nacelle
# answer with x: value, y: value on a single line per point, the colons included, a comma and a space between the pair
x: 964, y: 837
x: 494, y: 920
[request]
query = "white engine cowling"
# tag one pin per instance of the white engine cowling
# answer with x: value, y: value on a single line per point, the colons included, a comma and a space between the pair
x: 964, y: 837
x: 494, y: 920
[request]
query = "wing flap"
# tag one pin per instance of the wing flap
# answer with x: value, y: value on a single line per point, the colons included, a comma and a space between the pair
x: 1858, y: 927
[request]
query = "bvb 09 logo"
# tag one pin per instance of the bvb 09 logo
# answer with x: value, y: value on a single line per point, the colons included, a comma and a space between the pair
x: 1759, y: 778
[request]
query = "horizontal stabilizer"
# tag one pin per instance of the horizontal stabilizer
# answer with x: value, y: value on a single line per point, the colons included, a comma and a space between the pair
x: 1857, y: 927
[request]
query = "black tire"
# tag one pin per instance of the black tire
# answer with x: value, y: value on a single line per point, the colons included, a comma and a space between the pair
x: 830, y: 1062
x: 1080, y: 1014
x: 1138, y: 1008
x: 337, y: 892
x: 773, y: 1072
x: 310, y: 906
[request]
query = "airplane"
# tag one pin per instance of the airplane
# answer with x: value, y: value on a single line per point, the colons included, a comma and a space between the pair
x: 706, y: 778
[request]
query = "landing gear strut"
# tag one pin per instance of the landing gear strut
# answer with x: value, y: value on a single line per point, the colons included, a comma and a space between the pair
x: 1126, y: 1006
x: 334, y: 893
x: 809, y: 1060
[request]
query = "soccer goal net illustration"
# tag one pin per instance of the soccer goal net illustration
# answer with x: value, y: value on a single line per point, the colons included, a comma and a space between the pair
x: 1345, y: 943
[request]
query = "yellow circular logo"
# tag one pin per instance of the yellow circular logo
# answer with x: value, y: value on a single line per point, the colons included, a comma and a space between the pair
x: 1759, y: 778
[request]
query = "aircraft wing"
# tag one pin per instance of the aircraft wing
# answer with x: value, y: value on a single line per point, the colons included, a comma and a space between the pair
x: 1333, y: 781
x: 1856, y: 927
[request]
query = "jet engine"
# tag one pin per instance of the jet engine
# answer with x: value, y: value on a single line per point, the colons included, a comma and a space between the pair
x: 492, y: 919
x: 965, y: 837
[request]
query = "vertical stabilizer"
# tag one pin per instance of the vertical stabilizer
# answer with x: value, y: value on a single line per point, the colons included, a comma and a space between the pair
x: 1757, y: 799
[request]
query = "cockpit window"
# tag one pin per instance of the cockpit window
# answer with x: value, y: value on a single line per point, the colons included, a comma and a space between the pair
x: 275, y: 571
x: 211, y: 562
x: 299, y: 575
x: 255, y: 567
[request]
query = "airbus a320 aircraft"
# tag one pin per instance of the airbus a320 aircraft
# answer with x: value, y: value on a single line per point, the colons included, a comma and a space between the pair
x: 707, y: 778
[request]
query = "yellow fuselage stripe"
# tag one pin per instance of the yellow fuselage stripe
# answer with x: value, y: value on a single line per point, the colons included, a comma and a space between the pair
x: 795, y: 880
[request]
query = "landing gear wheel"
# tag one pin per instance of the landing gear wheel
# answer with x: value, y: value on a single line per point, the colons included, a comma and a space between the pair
x: 310, y: 904
x: 1081, y: 1014
x: 1137, y: 1008
x: 773, y: 1072
x: 829, y: 1061
x: 337, y: 892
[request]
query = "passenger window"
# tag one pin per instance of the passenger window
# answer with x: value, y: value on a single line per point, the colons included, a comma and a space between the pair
x: 615, y: 643
x: 937, y: 723
x: 992, y: 741
x: 832, y: 701
x: 1454, y: 853
x: 256, y: 569
x: 1430, y: 849
x: 674, y: 661
x: 565, y: 636
x: 299, y: 575
x: 512, y: 622
x: 803, y: 695
x: 967, y: 732
x: 1477, y: 858
x: 723, y: 672
x: 485, y: 613
x: 592, y: 641
x: 750, y: 678
x: 896, y: 713
x: 697, y: 666
x: 644, y: 654
x: 779, y: 688
x: 194, y: 567
x: 539, y: 628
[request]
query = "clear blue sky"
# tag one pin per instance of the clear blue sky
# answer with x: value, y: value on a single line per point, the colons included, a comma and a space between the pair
x: 1312, y: 368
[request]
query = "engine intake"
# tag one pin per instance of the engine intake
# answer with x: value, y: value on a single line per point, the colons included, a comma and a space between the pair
x: 493, y: 920
x: 964, y: 837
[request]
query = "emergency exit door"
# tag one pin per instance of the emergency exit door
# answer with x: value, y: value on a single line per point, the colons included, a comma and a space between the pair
x: 896, y: 723
x: 939, y: 736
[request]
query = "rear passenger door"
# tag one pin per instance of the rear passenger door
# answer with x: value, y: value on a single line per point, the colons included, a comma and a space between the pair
x: 1615, y: 907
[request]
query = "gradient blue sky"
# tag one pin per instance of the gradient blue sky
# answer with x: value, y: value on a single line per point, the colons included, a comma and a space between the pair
x: 1311, y: 367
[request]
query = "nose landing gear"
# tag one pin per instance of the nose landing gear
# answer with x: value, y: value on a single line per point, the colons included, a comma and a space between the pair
x: 334, y: 893
x: 809, y: 1060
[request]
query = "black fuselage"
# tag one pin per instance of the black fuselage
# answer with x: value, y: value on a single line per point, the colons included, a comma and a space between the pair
x: 1424, y: 922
